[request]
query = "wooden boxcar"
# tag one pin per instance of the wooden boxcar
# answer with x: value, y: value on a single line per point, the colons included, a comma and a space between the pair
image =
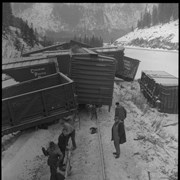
x: 161, y: 90
x: 128, y: 70
x: 36, y: 102
x: 93, y: 75
x: 63, y: 58
x: 126, y: 67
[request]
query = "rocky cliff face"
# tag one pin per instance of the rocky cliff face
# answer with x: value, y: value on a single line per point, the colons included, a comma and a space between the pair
x: 67, y: 19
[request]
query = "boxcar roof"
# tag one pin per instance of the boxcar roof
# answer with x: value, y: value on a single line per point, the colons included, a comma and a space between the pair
x: 162, y: 77
x: 108, y: 49
x: 25, y: 62
x: 85, y: 53
x: 167, y: 81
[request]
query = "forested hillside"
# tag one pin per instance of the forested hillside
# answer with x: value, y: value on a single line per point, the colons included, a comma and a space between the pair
x: 17, y: 35
x: 156, y: 29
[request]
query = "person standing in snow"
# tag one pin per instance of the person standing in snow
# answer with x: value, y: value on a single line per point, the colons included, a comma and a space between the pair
x: 69, y: 131
x: 54, y: 156
x: 118, y: 131
x: 63, y: 143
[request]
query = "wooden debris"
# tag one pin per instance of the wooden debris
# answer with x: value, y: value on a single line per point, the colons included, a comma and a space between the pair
x: 173, y: 124
x: 68, y: 165
x: 176, y: 148
x: 149, y: 175
x: 140, y: 137
x: 137, y: 153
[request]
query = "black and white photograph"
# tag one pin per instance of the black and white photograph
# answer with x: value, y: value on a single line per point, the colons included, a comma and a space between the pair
x: 90, y: 91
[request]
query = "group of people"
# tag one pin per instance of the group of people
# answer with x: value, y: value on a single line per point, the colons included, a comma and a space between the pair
x: 56, y: 152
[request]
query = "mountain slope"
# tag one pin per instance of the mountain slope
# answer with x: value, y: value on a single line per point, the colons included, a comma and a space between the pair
x: 106, y: 19
x: 13, y: 44
x: 164, y: 36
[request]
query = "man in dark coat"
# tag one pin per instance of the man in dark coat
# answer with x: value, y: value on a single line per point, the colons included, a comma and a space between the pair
x: 69, y: 131
x: 118, y: 131
x: 63, y: 143
x: 54, y: 155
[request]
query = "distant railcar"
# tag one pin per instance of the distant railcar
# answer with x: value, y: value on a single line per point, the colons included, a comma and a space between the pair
x: 126, y: 67
x: 161, y: 90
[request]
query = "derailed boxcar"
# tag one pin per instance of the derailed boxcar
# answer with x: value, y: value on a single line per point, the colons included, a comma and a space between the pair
x: 128, y: 70
x: 23, y: 69
x: 93, y: 75
x: 161, y: 90
x: 63, y: 60
x: 126, y: 67
x: 62, y: 46
x: 36, y: 102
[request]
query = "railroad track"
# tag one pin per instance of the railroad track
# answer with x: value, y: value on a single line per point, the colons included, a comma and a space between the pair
x: 103, y: 172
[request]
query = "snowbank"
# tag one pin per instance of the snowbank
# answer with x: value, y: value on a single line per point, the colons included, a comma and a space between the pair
x: 164, y: 36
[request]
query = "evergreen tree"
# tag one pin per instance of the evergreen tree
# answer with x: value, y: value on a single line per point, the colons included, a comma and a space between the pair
x: 132, y: 28
x: 175, y: 11
x: 93, y: 41
x: 87, y: 40
x: 101, y: 41
x: 31, y: 37
x: 138, y: 24
x: 144, y: 19
x: 17, y: 44
x: 155, y: 19
x: 7, y: 16
x: 161, y: 12
x: 84, y: 40
x: 36, y: 35
x: 148, y: 19
x: 169, y: 11
x: 141, y: 21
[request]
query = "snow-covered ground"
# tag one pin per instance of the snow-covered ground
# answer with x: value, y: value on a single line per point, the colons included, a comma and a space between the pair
x: 156, y: 152
x: 164, y: 36
x: 156, y: 60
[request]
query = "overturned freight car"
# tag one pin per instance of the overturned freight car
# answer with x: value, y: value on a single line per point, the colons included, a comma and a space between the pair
x: 126, y: 67
x: 161, y: 90
x: 36, y: 102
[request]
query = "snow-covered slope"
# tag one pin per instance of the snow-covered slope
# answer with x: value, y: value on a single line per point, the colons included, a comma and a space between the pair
x: 160, y: 36
x: 12, y: 44
x: 8, y: 48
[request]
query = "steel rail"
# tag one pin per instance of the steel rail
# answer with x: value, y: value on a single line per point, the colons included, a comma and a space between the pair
x: 101, y: 151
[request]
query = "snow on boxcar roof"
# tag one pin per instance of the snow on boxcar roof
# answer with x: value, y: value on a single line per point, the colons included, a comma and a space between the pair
x: 162, y: 77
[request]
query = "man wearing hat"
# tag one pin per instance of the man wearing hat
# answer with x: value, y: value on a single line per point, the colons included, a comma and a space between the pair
x: 118, y: 131
x: 54, y: 156
x: 69, y: 131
